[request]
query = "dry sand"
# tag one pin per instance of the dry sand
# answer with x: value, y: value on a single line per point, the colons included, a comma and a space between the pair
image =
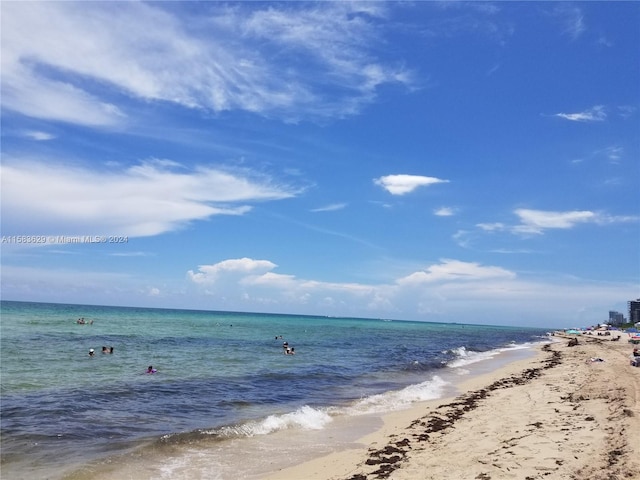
x: 558, y: 416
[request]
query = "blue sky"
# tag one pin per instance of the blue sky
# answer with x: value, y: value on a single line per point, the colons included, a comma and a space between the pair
x: 466, y: 162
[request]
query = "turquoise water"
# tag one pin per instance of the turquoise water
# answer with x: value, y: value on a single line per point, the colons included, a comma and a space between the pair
x: 220, y: 376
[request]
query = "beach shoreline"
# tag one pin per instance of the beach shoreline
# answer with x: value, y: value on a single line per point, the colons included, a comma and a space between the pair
x: 562, y: 414
x: 352, y: 429
x: 226, y: 403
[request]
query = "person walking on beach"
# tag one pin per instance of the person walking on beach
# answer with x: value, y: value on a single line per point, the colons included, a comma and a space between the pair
x: 634, y: 358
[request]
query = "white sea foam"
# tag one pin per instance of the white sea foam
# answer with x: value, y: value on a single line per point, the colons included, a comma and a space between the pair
x: 398, y: 400
x: 309, y: 418
x: 465, y: 357
x: 305, y: 417
x: 182, y: 466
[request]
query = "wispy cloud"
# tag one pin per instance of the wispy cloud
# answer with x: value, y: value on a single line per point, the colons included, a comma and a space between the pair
x: 603, y: 41
x: 462, y: 238
x: 215, y: 59
x: 38, y: 135
x: 132, y: 254
x: 445, y: 212
x: 403, y: 184
x: 593, y: 114
x: 478, y: 18
x: 572, y: 19
x: 455, y: 270
x: 492, y: 227
x: 535, y: 222
x: 330, y: 208
x: 327, y: 231
x: 626, y: 111
x: 146, y: 199
x: 613, y: 154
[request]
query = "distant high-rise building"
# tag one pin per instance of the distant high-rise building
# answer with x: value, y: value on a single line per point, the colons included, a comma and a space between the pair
x: 634, y: 311
x: 615, y: 318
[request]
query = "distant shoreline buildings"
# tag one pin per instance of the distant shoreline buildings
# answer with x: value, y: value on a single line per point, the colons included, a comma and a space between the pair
x: 634, y: 310
x: 616, y: 318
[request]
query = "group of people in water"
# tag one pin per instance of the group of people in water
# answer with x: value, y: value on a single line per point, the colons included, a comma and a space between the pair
x: 104, y: 350
x: 109, y: 350
x: 286, y: 349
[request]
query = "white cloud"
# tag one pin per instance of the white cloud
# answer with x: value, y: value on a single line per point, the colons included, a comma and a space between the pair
x: 442, y: 291
x: 246, y: 279
x: 604, y: 219
x: 446, y: 291
x: 246, y: 273
x: 38, y: 135
x: 39, y: 97
x: 330, y: 208
x: 491, y: 227
x: 593, y: 114
x: 445, y: 212
x: 238, y: 267
x: 455, y: 270
x: 403, y: 184
x: 272, y: 280
x: 537, y: 221
x: 143, y: 200
x: 216, y: 59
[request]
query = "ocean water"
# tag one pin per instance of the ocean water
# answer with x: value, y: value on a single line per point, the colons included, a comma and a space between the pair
x: 225, y: 402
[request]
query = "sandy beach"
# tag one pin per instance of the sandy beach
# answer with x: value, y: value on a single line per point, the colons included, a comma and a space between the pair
x: 562, y: 415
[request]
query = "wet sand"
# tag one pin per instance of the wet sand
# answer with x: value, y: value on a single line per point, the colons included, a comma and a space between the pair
x: 560, y: 415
